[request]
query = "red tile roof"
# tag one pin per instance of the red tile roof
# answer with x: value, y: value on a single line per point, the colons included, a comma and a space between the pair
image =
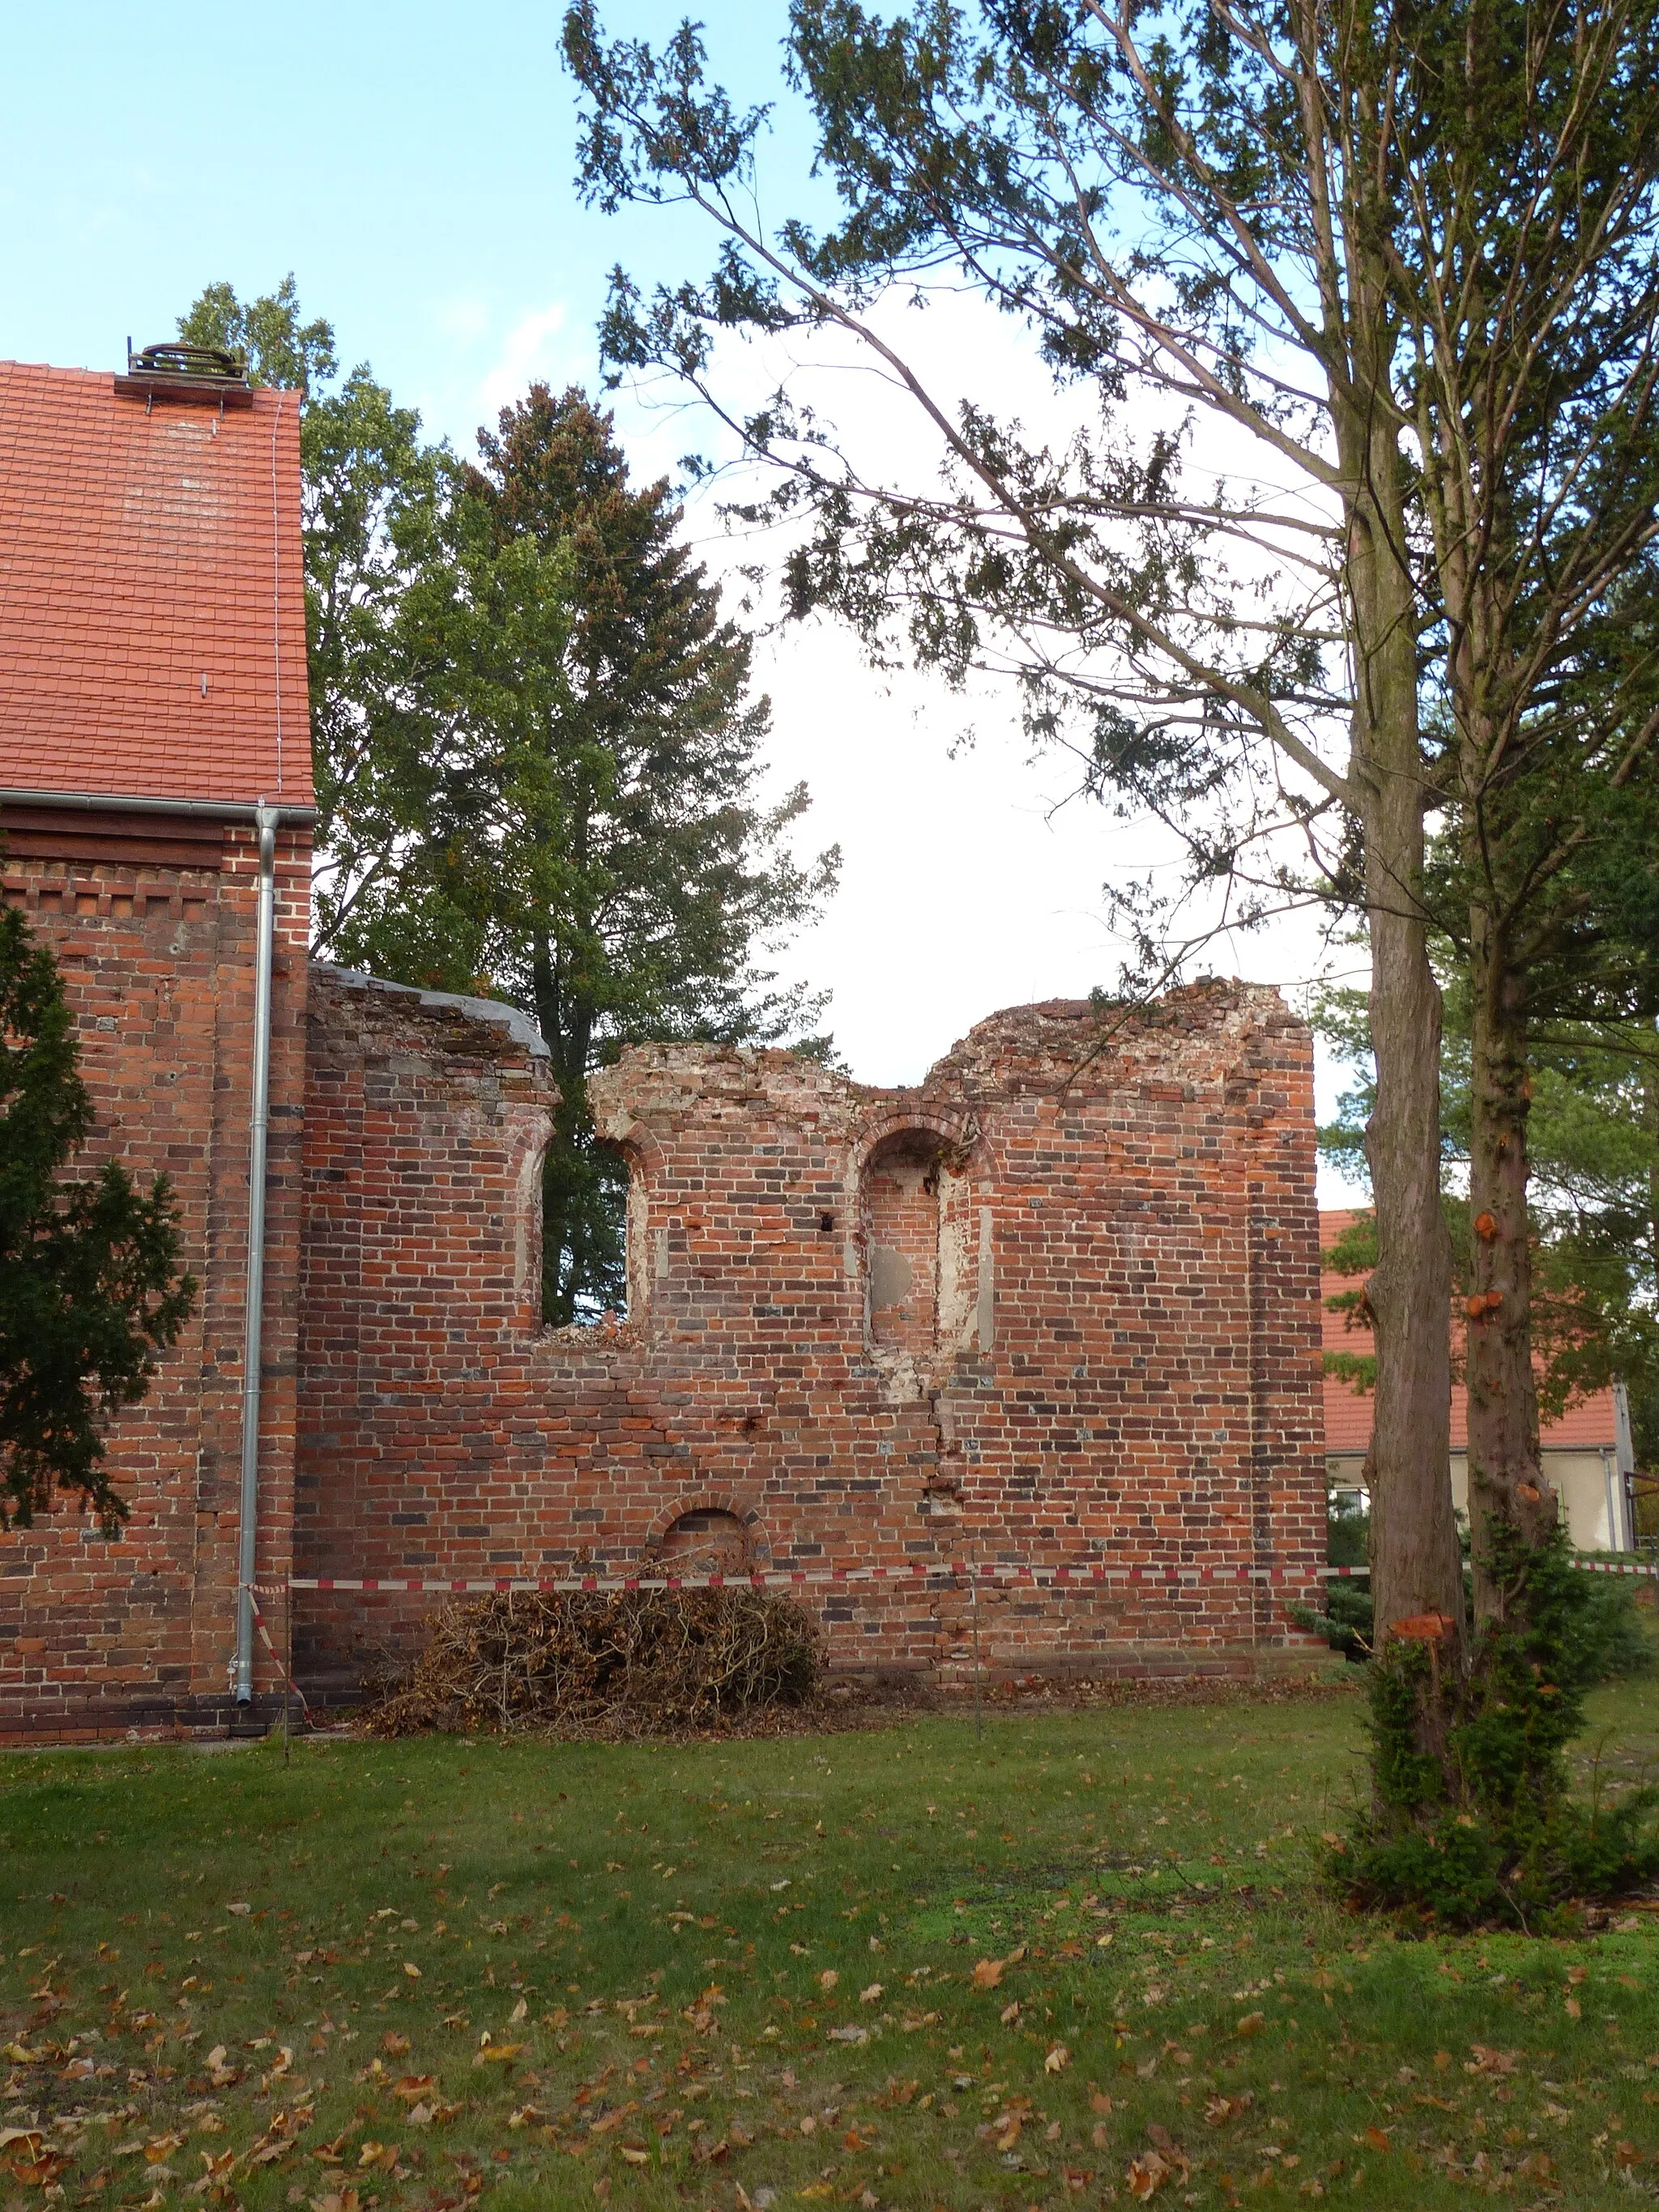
x: 1589, y: 1424
x: 141, y: 553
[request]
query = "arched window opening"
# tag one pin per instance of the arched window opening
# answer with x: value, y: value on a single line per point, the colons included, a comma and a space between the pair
x: 901, y: 1209
x: 706, y: 1542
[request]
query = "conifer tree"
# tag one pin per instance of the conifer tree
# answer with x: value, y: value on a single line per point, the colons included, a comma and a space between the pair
x: 536, y: 756
x: 1399, y: 260
x: 90, y: 1284
x: 582, y: 831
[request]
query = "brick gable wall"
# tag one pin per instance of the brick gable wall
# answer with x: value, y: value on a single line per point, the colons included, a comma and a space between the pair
x: 157, y: 959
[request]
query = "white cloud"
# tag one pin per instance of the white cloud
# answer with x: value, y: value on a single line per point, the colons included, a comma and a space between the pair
x: 970, y: 882
x: 463, y: 315
x: 535, y: 348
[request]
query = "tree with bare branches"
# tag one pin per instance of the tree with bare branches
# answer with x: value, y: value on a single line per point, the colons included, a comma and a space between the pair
x: 1386, y: 276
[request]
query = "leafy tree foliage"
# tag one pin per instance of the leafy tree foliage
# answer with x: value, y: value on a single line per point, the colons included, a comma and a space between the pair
x: 1507, y: 1841
x: 536, y: 755
x: 583, y: 828
x: 1404, y: 252
x: 90, y: 1284
x: 369, y: 486
x: 1593, y: 1144
x: 274, y: 346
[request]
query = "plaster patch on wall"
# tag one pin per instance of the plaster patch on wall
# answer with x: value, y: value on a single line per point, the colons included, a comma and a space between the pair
x: 985, y: 1313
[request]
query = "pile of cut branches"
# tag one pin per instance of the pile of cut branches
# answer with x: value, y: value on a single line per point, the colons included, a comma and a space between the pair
x: 625, y: 1662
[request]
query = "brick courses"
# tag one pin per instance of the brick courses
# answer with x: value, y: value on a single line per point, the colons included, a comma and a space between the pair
x: 152, y: 684
x: 157, y: 962
x: 1056, y: 1304
x: 1045, y: 1306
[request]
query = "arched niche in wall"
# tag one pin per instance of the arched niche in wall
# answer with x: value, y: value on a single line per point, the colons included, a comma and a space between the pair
x: 917, y: 1256
x: 899, y: 1207
x: 646, y: 1243
x: 708, y: 1541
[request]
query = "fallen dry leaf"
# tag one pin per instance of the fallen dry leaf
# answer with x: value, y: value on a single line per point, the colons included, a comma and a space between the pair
x: 609, y: 2120
x: 1148, y: 2173
x: 1252, y: 2024
x: 1218, y: 2111
x: 1058, y: 2060
x: 829, y: 1979
x: 871, y: 1995
x: 988, y: 1973
x: 1487, y: 2061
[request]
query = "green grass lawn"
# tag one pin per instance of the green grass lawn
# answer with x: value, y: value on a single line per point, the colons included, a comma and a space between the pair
x: 1083, y: 1961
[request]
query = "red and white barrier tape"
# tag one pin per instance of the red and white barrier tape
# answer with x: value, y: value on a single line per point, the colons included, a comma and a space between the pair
x: 1064, y: 1577
x: 1584, y: 1567
x: 256, y: 1591
x: 1086, y: 1574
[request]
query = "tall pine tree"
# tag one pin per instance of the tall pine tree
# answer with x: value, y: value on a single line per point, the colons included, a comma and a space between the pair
x: 536, y: 756
x: 585, y: 835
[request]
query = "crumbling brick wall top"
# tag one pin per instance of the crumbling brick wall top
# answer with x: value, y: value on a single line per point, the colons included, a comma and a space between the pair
x: 1199, y: 1033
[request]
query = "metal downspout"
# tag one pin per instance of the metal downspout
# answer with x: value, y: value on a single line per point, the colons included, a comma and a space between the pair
x: 266, y: 818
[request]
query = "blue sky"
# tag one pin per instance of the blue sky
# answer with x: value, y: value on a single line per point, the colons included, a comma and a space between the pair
x: 413, y: 165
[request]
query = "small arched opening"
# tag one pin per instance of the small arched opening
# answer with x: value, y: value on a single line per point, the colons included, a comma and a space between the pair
x: 708, y: 1541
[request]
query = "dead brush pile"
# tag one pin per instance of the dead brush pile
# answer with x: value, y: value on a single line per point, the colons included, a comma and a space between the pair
x: 620, y: 1662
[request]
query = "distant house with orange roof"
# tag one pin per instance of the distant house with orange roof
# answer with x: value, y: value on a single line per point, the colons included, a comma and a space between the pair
x: 1586, y: 1454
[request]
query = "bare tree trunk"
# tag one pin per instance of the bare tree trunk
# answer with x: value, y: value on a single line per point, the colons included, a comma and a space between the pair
x: 1415, y: 1568
x: 1505, y: 1485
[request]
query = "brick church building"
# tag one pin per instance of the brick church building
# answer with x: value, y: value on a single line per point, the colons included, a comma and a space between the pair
x: 1052, y: 1313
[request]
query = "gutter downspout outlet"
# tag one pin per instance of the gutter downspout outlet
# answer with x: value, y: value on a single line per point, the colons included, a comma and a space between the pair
x: 266, y: 819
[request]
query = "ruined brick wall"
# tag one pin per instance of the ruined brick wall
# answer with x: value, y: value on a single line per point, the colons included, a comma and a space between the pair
x: 1057, y: 1304
x: 152, y: 927
x: 421, y: 1439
